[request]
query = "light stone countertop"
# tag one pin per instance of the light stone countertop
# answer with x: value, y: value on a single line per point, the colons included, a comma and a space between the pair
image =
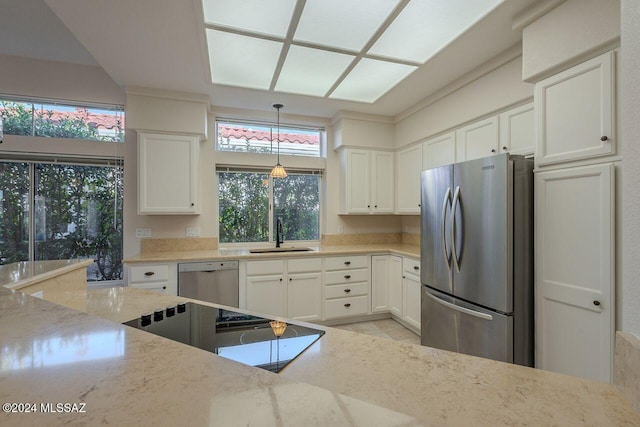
x: 52, y: 353
x: 243, y: 253
x: 18, y: 275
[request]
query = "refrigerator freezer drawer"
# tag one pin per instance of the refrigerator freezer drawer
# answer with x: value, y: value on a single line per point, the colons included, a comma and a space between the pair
x: 451, y: 324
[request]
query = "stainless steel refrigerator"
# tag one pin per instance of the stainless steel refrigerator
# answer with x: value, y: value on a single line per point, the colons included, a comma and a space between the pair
x: 477, y: 258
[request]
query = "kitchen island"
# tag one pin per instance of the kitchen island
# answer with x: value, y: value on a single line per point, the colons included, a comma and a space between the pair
x: 76, y: 351
x: 39, y: 276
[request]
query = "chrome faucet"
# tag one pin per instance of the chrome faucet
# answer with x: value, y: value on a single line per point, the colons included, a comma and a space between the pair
x: 279, y: 232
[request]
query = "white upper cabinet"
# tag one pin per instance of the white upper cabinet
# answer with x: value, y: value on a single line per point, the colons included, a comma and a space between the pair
x: 517, y: 130
x: 439, y: 151
x: 575, y: 113
x: 168, y: 174
x: 366, y: 182
x: 479, y: 139
x: 409, y: 166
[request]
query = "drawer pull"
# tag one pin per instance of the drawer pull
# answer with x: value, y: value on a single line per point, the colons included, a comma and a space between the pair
x: 415, y: 267
x: 347, y: 276
x: 164, y: 287
x: 347, y: 305
x: 347, y: 290
x: 149, y: 273
x: 347, y: 263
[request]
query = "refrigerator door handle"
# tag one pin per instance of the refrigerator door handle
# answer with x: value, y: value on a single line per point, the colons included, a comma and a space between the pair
x: 456, y: 202
x: 446, y: 252
x: 458, y: 308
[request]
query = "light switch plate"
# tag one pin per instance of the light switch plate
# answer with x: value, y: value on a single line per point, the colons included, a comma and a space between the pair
x: 143, y: 232
x: 193, y: 231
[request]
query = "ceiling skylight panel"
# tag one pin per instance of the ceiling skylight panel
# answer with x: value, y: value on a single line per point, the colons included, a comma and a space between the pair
x: 371, y: 79
x: 270, y: 17
x: 424, y: 27
x: 311, y: 71
x: 242, y: 61
x: 343, y: 24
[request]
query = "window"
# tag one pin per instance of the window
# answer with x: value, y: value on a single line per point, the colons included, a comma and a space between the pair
x: 62, y: 211
x: 57, y: 120
x: 245, y: 198
x: 261, y: 138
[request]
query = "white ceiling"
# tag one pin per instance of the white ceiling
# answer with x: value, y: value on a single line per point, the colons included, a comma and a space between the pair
x: 162, y: 44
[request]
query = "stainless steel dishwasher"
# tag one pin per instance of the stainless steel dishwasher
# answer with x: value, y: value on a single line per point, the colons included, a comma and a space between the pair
x: 212, y: 281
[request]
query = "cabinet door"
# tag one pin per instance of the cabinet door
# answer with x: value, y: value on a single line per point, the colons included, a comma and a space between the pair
x: 477, y: 140
x: 409, y: 166
x: 439, y: 151
x: 379, y: 283
x: 574, y: 259
x: 266, y: 295
x: 357, y: 176
x: 411, y: 301
x: 574, y: 112
x: 167, y: 174
x: 304, y: 296
x: 395, y: 285
x: 383, y: 178
x: 517, y: 130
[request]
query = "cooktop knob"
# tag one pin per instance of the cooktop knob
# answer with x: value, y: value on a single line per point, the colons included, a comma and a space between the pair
x: 145, y: 319
x: 158, y: 315
x: 171, y: 311
x: 182, y: 307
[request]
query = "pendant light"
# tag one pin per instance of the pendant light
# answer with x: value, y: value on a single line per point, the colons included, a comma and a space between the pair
x: 278, y: 170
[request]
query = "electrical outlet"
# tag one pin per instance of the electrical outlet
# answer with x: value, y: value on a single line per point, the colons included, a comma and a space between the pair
x: 193, y: 231
x: 340, y: 229
x: 143, y: 232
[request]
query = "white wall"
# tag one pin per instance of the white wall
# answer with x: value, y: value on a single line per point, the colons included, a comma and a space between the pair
x: 569, y: 34
x: 494, y: 91
x: 58, y: 80
x: 629, y: 90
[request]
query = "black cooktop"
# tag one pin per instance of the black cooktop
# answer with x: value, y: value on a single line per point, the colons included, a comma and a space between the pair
x: 247, y: 339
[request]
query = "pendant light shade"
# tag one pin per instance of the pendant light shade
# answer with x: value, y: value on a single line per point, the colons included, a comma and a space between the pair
x: 278, y: 170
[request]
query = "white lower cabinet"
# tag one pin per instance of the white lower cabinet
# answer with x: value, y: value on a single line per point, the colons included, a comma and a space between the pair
x: 158, y: 277
x: 346, y: 286
x: 386, y: 284
x: 411, y: 287
x: 285, y: 288
x: 574, y: 277
x: 395, y: 285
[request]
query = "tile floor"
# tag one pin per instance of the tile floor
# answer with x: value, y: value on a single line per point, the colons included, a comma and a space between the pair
x: 385, y: 328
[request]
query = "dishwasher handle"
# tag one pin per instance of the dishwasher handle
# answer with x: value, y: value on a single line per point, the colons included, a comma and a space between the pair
x: 207, y: 266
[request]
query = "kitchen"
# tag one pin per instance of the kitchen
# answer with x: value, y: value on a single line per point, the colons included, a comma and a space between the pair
x: 498, y: 86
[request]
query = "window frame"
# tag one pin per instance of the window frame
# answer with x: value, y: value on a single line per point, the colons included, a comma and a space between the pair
x: 271, y: 234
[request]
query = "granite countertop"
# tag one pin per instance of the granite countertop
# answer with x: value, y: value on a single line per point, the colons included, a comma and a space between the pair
x: 243, y: 253
x: 18, y: 275
x: 53, y: 353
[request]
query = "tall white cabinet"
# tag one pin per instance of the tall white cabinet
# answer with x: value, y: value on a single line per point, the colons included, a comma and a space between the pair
x: 409, y: 166
x: 575, y: 220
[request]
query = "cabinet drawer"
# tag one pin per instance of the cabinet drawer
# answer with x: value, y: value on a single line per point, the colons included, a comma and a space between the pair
x: 148, y: 273
x: 261, y: 268
x: 346, y: 276
x: 304, y: 265
x: 155, y: 287
x: 347, y: 290
x: 342, y: 263
x: 411, y: 266
x: 346, y: 307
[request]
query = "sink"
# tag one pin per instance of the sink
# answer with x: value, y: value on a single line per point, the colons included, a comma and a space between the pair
x: 289, y: 249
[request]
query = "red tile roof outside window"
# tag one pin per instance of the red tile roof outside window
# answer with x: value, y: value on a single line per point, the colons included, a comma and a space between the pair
x: 263, y: 139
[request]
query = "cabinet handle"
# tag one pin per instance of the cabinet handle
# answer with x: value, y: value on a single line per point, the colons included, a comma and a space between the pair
x: 404, y: 277
x: 347, y: 305
x: 192, y: 204
x: 347, y: 263
x: 347, y: 290
x: 290, y: 279
x: 149, y: 273
x: 415, y: 267
x: 419, y: 205
x: 596, y: 303
x: 164, y: 287
x: 604, y: 138
x: 347, y: 276
x: 493, y: 150
x: 281, y: 279
x: 375, y: 206
x: 505, y: 148
x: 368, y: 206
